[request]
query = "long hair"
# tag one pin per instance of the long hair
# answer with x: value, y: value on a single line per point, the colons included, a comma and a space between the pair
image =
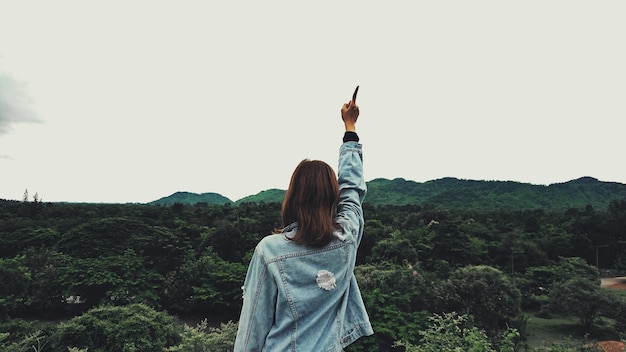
x: 311, y: 201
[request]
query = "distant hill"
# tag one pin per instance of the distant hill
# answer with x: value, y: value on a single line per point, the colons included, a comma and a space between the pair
x: 453, y: 193
x: 192, y: 198
x: 269, y: 196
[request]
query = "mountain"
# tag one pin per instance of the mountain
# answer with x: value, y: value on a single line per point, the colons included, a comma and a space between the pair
x: 192, y: 198
x: 269, y: 196
x: 454, y: 193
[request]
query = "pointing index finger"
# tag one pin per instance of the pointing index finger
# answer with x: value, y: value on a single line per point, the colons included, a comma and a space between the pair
x: 354, y: 95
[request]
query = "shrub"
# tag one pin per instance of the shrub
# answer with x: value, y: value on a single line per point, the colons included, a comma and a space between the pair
x: 485, y: 293
x: 207, y: 339
x: 454, y: 332
x: 135, y: 327
x: 17, y: 335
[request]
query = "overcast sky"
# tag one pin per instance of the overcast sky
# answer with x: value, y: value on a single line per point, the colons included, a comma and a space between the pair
x: 130, y: 101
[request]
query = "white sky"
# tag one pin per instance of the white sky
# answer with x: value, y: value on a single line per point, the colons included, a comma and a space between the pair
x: 130, y: 101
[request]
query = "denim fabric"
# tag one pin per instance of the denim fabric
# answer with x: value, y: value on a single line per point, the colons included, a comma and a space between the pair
x: 299, y: 298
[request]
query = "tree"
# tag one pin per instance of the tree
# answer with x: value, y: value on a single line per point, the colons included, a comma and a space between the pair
x: 459, y: 242
x: 555, y: 241
x: 392, y: 295
x: 45, y: 290
x: 120, y: 279
x: 395, y: 250
x: 616, y: 310
x: 17, y: 335
x: 484, y: 292
x: 373, y: 232
x: 454, y: 332
x: 160, y: 247
x: 135, y: 327
x: 203, y: 338
x: 573, y: 288
x: 206, y: 283
x: 14, y: 282
x: 568, y: 268
x: 581, y: 298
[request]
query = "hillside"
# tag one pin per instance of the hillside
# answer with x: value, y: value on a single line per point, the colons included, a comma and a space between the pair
x: 192, y: 198
x: 453, y: 193
x: 269, y: 196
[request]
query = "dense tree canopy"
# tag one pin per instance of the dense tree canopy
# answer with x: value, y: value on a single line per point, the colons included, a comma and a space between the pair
x: 58, y: 261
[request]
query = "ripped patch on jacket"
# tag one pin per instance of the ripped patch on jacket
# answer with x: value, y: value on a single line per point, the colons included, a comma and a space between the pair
x: 326, y: 280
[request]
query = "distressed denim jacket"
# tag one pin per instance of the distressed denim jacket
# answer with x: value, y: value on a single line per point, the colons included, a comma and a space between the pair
x: 299, y: 298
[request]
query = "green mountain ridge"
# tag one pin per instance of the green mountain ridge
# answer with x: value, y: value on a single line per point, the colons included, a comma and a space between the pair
x: 192, y: 198
x: 454, y: 193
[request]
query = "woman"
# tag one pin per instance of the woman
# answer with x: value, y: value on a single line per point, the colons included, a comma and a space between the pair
x: 300, y: 292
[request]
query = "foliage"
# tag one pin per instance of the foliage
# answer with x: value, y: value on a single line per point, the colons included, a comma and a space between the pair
x: 576, y: 267
x: 118, y: 279
x: 459, y: 242
x: 17, y: 335
x: 454, y: 332
x: 537, y: 282
x: 207, y: 339
x: 135, y: 327
x: 14, y: 282
x: 192, y: 198
x: 374, y: 231
x: 485, y: 293
x: 207, y: 284
x: 394, y: 250
x: 268, y: 196
x: 34, y: 341
x: 45, y: 293
x: 453, y: 193
x: 113, y: 236
x: 573, y: 288
x: 616, y: 309
x: 190, y: 259
x: 391, y: 294
x: 581, y: 298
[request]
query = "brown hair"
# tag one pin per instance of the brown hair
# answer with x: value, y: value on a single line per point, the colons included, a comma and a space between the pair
x: 311, y: 201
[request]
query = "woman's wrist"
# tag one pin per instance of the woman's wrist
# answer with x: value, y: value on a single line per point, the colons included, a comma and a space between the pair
x: 350, y: 127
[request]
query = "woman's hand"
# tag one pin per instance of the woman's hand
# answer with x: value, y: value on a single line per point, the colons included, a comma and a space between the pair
x: 350, y: 113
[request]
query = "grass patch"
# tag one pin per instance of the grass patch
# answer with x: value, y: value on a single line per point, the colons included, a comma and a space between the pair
x: 617, y: 292
x: 546, y: 332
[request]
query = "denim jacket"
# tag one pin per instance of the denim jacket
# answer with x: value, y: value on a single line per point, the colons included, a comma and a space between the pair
x: 299, y: 298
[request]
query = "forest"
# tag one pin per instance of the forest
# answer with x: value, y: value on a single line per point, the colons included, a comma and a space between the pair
x: 150, y: 277
x: 453, y: 193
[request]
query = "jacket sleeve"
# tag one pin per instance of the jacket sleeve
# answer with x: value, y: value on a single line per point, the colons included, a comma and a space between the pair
x: 259, y: 301
x: 352, y: 189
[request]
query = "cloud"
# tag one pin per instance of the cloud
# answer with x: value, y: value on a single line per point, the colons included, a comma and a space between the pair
x: 16, y: 104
